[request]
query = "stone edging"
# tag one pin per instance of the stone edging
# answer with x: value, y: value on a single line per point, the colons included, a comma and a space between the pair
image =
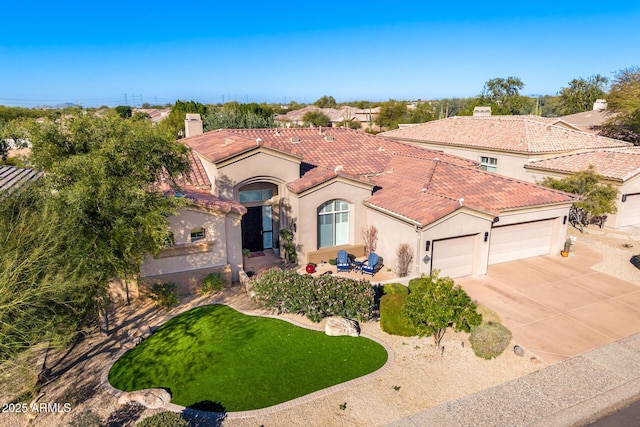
x: 104, y: 377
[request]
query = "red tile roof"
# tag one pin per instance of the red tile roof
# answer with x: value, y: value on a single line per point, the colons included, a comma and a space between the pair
x: 425, y: 191
x: 401, y: 170
x: 206, y: 199
x: 518, y: 134
x: 615, y: 164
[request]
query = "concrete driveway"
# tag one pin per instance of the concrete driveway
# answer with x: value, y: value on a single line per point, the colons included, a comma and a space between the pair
x: 559, y: 307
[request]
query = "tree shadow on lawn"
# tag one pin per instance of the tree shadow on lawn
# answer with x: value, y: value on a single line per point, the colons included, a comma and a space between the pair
x: 205, y: 413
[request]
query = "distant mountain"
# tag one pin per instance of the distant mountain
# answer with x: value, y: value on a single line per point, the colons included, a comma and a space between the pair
x: 61, y: 106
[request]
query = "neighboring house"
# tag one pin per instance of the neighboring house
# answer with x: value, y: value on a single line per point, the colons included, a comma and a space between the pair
x: 326, y: 185
x: 503, y: 144
x: 337, y: 116
x: 589, y: 121
x: 620, y: 167
x: 12, y: 178
x: 155, y: 114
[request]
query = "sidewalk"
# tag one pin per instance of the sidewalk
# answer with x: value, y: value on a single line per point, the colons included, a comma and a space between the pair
x: 573, y: 392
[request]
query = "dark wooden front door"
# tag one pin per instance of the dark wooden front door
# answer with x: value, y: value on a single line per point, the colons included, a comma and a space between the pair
x: 252, y: 229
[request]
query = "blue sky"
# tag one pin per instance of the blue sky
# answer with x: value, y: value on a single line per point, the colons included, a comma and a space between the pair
x: 94, y: 53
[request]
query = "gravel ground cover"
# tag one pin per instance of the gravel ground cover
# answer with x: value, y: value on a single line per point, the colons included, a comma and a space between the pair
x: 419, y: 378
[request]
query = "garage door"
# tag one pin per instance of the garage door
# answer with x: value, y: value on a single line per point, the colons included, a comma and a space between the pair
x: 630, y: 211
x: 453, y: 257
x: 517, y: 241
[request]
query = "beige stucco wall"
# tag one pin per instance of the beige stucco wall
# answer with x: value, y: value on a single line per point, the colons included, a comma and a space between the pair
x: 624, y: 210
x: 304, y: 212
x: 233, y: 242
x: 391, y: 233
x: 181, y: 225
x: 460, y: 223
x: 253, y: 168
x: 509, y: 164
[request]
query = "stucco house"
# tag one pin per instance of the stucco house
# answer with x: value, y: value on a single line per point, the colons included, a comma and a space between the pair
x: 504, y: 144
x: 619, y: 166
x: 205, y: 235
x: 327, y: 184
x: 337, y: 116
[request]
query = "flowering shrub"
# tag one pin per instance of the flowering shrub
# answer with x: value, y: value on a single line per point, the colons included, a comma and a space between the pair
x: 316, y: 297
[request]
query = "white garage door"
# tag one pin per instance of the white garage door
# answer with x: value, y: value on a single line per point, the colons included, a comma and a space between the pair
x: 453, y: 257
x: 517, y: 241
x: 630, y: 211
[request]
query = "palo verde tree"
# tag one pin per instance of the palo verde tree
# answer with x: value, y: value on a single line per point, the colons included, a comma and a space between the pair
x: 174, y: 123
x: 47, y: 288
x: 436, y: 303
x: 102, y: 172
x: 392, y: 113
x: 596, y: 197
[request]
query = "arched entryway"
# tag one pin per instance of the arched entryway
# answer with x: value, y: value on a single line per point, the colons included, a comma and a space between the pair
x: 260, y: 223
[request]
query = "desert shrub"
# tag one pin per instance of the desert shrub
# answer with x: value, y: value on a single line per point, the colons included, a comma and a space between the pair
x: 164, y: 419
x: 332, y: 261
x: 212, y: 283
x: 435, y: 304
x: 391, y: 318
x: 413, y: 283
x: 489, y: 340
x: 86, y: 418
x: 488, y: 315
x: 165, y: 294
x: 394, y: 288
x: 316, y: 297
x: 404, y: 258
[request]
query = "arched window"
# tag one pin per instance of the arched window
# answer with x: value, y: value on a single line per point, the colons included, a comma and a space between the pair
x: 333, y: 223
x: 197, y: 234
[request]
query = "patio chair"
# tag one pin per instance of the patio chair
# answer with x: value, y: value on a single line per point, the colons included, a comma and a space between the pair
x: 369, y: 266
x: 342, y: 261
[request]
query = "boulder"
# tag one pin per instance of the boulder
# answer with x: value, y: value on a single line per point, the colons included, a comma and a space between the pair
x: 149, y: 398
x: 337, y: 326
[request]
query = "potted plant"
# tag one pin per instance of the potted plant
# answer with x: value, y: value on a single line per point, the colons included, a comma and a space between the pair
x: 567, y: 247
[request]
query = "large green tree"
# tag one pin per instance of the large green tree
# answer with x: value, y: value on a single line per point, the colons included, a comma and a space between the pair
x: 392, y: 113
x: 581, y: 93
x: 233, y: 115
x: 103, y: 173
x: 623, y: 101
x: 316, y: 118
x: 326, y: 102
x: 174, y: 123
x: 596, y: 196
x: 436, y: 303
x: 503, y: 96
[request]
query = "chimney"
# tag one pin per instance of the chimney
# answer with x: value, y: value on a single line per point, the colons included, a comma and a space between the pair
x: 193, y: 125
x: 600, y: 104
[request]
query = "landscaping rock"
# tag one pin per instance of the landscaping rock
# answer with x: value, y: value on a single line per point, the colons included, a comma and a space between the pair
x: 337, y: 326
x: 135, y: 336
x: 149, y: 398
x: 519, y: 351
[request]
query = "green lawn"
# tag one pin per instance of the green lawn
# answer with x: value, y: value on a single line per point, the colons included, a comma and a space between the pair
x: 216, y: 358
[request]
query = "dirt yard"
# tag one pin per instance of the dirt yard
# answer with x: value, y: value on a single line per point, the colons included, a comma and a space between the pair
x: 418, y: 378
